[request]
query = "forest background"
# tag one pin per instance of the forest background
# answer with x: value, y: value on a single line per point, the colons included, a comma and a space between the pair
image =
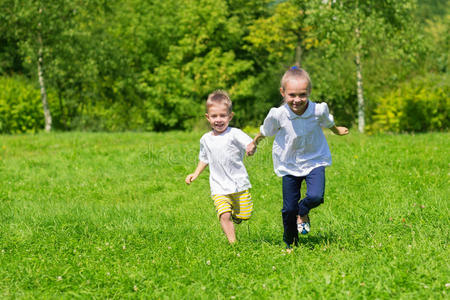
x: 140, y: 65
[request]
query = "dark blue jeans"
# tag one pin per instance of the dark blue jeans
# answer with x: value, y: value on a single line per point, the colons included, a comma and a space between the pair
x: 315, y: 189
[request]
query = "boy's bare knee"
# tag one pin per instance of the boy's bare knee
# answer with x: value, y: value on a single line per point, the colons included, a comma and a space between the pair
x: 225, y: 216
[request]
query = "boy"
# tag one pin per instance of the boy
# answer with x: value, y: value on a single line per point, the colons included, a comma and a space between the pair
x: 223, y: 149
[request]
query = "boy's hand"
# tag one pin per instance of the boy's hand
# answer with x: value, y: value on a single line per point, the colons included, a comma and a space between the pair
x: 200, y: 167
x: 251, y: 149
x: 190, y: 178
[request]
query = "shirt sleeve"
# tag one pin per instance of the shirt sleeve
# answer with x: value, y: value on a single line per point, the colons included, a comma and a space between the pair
x: 242, y: 139
x: 326, y: 119
x: 271, y: 124
x: 202, y: 156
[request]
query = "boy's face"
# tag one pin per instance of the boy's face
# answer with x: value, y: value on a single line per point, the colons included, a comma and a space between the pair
x: 218, y: 117
x: 295, y: 93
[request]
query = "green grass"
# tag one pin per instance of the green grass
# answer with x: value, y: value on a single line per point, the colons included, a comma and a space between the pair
x: 95, y: 215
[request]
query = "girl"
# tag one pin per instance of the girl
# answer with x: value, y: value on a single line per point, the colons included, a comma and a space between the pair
x: 300, y: 150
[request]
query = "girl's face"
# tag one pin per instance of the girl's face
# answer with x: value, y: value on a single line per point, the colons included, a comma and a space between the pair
x: 295, y: 94
x: 218, y: 117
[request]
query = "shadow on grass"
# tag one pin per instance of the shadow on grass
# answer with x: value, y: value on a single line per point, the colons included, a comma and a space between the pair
x: 311, y: 241
x: 271, y: 240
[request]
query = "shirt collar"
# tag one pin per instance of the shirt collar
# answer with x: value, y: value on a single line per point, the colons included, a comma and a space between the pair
x: 223, y: 133
x: 292, y: 115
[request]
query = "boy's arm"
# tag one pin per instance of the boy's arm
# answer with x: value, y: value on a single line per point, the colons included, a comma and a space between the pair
x: 251, y: 148
x: 200, y: 167
x: 339, y: 130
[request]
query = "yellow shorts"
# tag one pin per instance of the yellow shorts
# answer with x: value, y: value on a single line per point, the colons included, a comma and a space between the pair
x: 239, y: 204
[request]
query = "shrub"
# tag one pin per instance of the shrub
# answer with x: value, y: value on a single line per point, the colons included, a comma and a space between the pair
x: 20, y: 106
x: 419, y: 105
x: 109, y: 117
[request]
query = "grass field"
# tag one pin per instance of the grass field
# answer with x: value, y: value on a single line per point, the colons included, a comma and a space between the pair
x: 95, y: 215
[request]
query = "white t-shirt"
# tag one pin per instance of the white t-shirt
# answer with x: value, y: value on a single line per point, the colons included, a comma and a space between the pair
x: 300, y: 145
x: 225, y: 153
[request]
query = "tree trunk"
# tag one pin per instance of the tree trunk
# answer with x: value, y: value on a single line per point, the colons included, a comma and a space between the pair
x: 47, y: 115
x: 61, y: 107
x: 359, y: 84
x: 298, y: 55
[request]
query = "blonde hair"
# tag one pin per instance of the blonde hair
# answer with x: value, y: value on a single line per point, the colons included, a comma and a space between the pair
x: 295, y: 73
x: 217, y: 97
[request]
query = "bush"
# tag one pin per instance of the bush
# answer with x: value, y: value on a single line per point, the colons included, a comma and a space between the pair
x: 20, y: 106
x: 108, y: 117
x: 419, y: 105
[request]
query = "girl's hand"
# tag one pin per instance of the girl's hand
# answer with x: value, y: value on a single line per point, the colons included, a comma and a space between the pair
x: 251, y: 149
x: 342, y: 130
x: 190, y: 178
x: 339, y: 130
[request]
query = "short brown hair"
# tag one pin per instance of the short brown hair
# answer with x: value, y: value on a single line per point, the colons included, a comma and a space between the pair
x: 219, y: 96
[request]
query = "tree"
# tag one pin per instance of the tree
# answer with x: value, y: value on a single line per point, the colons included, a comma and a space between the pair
x: 37, y: 27
x: 361, y: 27
x: 47, y: 114
x: 205, y: 54
x: 149, y: 65
x: 277, y: 41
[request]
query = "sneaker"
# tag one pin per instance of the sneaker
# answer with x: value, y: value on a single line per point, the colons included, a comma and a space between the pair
x: 236, y: 220
x: 304, y: 228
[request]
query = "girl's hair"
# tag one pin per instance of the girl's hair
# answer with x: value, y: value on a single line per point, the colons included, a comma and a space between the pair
x: 295, y: 73
x: 217, y: 97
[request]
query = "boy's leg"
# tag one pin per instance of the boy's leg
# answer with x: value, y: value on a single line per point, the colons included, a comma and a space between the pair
x: 223, y: 209
x: 315, y: 189
x: 242, y: 206
x: 228, y: 227
x: 291, y: 195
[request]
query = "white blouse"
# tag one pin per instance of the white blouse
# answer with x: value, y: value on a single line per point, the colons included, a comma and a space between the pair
x: 300, y: 145
x: 224, y: 154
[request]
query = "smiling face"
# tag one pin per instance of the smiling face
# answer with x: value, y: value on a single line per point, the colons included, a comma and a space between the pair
x: 219, y: 117
x: 295, y: 93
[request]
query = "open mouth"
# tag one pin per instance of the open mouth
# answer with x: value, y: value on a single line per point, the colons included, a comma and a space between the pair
x: 219, y: 127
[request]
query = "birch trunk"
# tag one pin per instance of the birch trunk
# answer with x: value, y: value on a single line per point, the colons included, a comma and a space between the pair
x: 47, y: 115
x: 298, y: 55
x: 359, y: 84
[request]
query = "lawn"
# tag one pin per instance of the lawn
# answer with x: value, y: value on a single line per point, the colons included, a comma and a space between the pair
x: 96, y: 215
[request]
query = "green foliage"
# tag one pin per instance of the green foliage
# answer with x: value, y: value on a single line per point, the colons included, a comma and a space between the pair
x: 116, y: 116
x: 436, y: 30
x: 429, y: 9
x: 277, y: 36
x: 388, y: 39
x: 149, y: 65
x: 203, y: 58
x: 422, y: 104
x: 332, y: 83
x: 20, y: 106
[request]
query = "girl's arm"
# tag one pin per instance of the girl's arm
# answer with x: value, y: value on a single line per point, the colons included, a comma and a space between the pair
x: 339, y: 130
x: 200, y: 167
x: 251, y: 148
x: 327, y: 120
x: 270, y: 127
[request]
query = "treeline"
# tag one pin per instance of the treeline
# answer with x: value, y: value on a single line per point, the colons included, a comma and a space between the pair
x: 148, y: 65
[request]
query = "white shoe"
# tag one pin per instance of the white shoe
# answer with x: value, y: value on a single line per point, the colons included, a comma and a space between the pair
x: 304, y: 228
